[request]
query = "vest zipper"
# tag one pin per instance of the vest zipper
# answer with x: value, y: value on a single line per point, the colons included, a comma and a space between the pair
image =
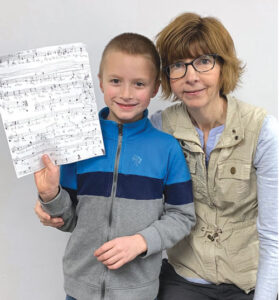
x: 216, y: 233
x: 113, y: 193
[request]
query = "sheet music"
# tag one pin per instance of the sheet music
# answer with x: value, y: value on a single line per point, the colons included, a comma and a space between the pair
x: 48, y: 106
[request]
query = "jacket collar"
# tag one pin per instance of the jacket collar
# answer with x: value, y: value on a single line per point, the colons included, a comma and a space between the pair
x: 111, y: 128
x: 232, y: 135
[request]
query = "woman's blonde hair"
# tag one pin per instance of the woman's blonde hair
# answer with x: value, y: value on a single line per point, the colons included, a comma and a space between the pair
x: 190, y: 35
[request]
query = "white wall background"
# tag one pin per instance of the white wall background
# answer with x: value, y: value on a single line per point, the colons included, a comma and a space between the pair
x: 30, y: 254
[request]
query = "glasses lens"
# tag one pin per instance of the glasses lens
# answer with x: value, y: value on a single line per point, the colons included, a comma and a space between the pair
x: 176, y: 70
x: 204, y: 63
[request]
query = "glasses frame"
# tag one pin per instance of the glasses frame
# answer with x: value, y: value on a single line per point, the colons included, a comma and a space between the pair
x: 167, y: 69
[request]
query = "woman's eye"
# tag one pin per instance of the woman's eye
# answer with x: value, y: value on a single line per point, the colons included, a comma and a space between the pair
x: 139, y: 84
x: 204, y: 60
x: 177, y: 65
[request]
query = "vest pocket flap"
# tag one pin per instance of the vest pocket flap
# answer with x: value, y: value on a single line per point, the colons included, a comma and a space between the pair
x: 234, y: 169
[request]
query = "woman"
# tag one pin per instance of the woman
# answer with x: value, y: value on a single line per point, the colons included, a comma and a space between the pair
x: 231, y: 150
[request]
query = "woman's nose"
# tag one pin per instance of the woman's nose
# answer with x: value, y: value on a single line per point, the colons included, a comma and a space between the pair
x: 191, y: 75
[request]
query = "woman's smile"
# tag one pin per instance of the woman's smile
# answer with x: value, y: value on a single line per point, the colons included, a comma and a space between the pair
x: 196, y: 92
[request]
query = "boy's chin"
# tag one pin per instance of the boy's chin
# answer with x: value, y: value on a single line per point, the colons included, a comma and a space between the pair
x: 130, y: 118
x: 125, y: 117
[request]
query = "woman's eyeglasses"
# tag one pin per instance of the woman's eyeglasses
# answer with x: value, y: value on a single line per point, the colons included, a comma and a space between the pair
x: 203, y: 63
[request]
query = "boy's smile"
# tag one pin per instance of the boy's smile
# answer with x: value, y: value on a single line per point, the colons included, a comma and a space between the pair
x: 126, y: 106
x: 128, y: 84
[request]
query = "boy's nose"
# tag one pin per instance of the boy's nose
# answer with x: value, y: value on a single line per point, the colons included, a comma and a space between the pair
x: 126, y: 92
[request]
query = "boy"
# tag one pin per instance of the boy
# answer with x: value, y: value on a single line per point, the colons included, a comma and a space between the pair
x: 127, y: 206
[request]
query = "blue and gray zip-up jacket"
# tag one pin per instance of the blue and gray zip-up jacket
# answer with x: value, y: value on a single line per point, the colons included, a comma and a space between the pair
x: 141, y: 185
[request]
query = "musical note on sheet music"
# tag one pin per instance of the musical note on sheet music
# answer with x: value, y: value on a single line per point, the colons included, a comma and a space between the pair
x: 48, y: 106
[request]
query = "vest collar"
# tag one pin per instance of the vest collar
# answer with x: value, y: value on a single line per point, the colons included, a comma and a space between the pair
x: 185, y: 130
x: 232, y: 135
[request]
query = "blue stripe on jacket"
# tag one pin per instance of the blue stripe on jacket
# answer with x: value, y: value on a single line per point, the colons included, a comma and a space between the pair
x: 134, y: 187
x: 179, y: 193
x: 128, y: 186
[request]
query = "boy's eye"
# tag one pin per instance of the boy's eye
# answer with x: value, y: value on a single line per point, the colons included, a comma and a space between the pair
x: 139, y: 84
x: 115, y: 81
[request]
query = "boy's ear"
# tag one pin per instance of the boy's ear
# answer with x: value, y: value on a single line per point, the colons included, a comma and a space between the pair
x: 101, y: 83
x: 156, y: 88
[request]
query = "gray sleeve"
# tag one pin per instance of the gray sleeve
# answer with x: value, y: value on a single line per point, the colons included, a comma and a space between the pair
x: 156, y: 120
x: 62, y: 206
x: 266, y: 163
x: 173, y: 226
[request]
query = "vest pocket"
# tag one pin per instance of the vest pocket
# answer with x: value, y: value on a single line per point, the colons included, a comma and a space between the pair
x: 243, y: 248
x: 234, y: 170
x: 233, y: 180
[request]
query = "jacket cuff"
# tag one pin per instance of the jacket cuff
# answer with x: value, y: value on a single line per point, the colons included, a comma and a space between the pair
x: 153, y: 241
x: 56, y: 206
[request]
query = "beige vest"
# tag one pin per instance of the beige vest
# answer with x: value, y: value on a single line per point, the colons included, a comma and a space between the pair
x: 223, y: 246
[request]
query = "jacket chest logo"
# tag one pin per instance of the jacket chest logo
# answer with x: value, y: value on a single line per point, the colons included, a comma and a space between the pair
x: 136, y: 160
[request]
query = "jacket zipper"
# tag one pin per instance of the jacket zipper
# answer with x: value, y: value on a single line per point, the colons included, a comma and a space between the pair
x: 113, y: 193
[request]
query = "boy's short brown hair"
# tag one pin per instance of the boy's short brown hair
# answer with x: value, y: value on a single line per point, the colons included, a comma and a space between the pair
x: 190, y: 35
x: 133, y: 44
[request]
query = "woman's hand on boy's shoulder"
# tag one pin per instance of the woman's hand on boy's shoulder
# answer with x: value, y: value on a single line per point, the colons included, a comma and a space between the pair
x: 119, y: 251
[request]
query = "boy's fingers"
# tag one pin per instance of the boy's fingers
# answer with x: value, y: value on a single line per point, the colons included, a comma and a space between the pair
x: 47, y: 161
x: 106, y: 256
x: 117, y: 265
x: 112, y: 260
x: 104, y: 248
